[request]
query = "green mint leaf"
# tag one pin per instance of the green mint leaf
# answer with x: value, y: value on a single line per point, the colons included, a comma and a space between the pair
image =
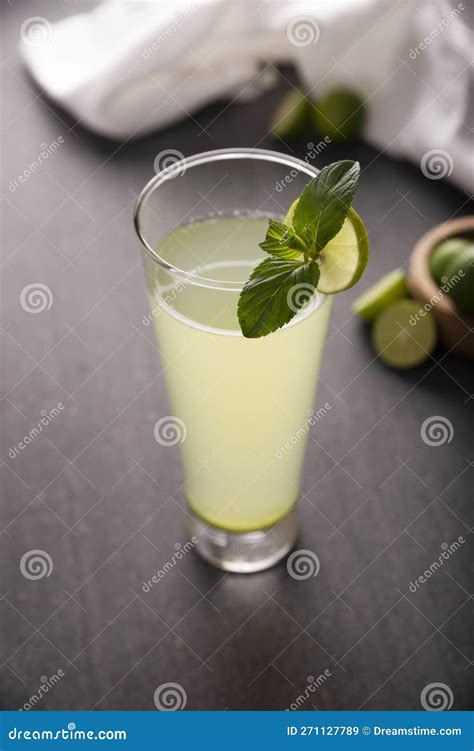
x: 282, y: 241
x: 324, y: 203
x: 276, y: 290
x: 282, y: 284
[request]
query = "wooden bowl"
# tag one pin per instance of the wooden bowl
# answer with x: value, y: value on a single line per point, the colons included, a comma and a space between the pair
x: 456, y: 329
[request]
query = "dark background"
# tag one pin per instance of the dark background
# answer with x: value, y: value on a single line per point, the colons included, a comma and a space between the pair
x: 101, y: 497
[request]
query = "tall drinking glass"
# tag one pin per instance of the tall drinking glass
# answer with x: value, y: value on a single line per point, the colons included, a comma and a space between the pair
x: 241, y: 408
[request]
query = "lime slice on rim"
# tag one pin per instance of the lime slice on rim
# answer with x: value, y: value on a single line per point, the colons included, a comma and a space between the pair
x: 389, y: 289
x: 404, y: 335
x: 344, y: 259
x: 291, y: 116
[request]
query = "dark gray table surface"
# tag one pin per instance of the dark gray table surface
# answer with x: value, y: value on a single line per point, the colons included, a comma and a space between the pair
x: 98, y: 495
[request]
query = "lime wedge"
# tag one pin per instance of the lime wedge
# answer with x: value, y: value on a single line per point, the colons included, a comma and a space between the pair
x: 340, y: 116
x: 444, y: 253
x: 404, y: 335
x: 389, y: 289
x: 344, y: 259
x: 291, y: 116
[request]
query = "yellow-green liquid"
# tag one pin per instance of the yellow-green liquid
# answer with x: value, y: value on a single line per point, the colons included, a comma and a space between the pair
x: 242, y: 400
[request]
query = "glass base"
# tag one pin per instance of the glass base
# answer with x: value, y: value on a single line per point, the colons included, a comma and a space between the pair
x: 244, y: 552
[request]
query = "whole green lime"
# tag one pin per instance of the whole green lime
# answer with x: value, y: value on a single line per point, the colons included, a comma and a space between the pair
x: 291, y: 116
x: 340, y: 115
x: 459, y: 284
x: 444, y: 254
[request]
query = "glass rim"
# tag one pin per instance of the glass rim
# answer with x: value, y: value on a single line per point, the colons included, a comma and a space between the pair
x: 179, y: 168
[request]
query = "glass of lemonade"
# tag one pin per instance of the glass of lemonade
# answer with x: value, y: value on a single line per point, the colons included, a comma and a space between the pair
x: 241, y: 408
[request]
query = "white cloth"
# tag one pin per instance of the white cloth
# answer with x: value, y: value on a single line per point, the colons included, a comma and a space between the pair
x: 127, y: 68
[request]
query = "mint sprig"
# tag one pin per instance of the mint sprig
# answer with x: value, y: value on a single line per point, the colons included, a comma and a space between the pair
x: 282, y: 241
x: 324, y: 203
x: 282, y: 284
x: 267, y: 301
